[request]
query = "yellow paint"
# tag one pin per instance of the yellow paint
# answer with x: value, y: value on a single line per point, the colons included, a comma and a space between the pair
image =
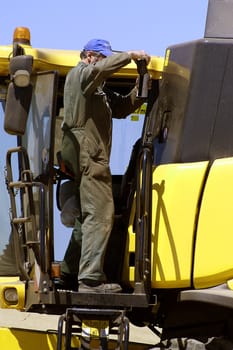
x: 64, y: 60
x: 95, y: 328
x: 167, y: 56
x: 20, y: 339
x: 213, y: 257
x: 139, y: 111
x: 134, y: 117
x: 175, y: 196
x: 176, y: 192
x: 230, y: 284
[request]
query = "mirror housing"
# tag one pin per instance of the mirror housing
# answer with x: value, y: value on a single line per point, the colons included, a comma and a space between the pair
x: 21, y: 69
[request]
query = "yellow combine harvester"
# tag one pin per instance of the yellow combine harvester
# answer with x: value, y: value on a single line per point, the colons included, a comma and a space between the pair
x: 171, y: 244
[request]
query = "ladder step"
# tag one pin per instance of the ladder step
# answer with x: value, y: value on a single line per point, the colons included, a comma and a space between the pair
x: 19, y: 184
x: 21, y: 220
x: 33, y: 242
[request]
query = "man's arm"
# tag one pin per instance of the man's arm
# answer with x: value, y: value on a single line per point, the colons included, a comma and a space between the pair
x: 93, y: 75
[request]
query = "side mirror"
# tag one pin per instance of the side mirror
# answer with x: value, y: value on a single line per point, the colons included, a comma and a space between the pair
x: 19, y: 95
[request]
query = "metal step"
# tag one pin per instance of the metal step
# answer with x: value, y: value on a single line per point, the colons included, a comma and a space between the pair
x: 125, y: 300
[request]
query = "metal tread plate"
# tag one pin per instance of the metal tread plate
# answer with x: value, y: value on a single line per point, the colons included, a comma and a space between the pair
x: 103, y: 299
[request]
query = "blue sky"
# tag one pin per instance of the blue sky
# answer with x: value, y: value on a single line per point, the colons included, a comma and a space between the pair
x: 152, y: 25
x: 129, y: 24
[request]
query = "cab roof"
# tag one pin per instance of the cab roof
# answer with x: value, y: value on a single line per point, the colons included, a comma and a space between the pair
x: 64, y: 60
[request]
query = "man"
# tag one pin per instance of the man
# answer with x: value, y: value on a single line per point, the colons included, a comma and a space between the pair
x: 88, y: 111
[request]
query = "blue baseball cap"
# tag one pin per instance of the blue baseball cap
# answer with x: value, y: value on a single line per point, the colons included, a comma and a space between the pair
x: 99, y: 45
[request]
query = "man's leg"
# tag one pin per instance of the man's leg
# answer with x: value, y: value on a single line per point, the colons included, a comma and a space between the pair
x: 97, y: 219
x: 97, y: 214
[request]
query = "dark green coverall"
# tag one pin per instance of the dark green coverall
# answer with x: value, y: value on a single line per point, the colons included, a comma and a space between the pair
x: 86, y: 147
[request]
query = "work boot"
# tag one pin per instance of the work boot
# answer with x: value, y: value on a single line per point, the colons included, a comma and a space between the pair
x: 99, y: 288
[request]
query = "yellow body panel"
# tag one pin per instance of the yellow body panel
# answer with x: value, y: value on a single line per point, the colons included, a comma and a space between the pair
x: 175, y: 197
x: 17, y: 339
x: 22, y: 339
x: 213, y: 257
x: 176, y: 192
x: 64, y: 60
